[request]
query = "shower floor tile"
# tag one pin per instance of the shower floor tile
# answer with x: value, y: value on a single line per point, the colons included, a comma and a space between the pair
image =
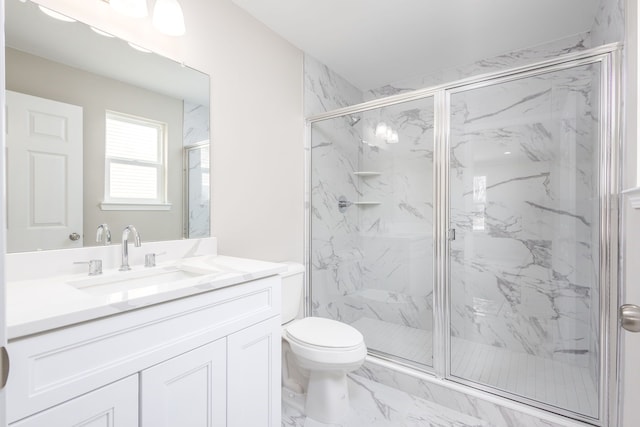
x: 415, y: 345
x: 377, y: 405
x: 560, y: 384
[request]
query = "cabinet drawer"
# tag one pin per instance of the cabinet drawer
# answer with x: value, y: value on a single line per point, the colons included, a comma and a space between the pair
x: 54, y: 367
x: 117, y: 401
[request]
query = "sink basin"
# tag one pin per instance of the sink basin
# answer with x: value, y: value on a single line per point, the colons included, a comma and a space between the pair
x: 149, y: 277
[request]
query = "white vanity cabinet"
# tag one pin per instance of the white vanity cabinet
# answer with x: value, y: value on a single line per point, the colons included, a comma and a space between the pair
x: 251, y: 377
x: 111, y: 405
x: 188, y: 390
x: 212, y: 359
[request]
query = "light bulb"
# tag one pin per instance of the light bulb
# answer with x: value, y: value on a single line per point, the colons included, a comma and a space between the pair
x: 393, y: 139
x: 168, y: 17
x: 389, y: 134
x: 381, y: 130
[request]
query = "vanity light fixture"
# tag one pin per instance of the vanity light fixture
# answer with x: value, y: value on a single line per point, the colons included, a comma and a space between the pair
x: 55, y: 15
x: 132, y: 8
x: 386, y: 133
x: 381, y: 130
x: 393, y: 138
x: 167, y: 14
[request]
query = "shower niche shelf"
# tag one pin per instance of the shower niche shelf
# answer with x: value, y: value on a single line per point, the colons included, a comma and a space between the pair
x: 343, y: 203
x: 369, y: 203
x: 366, y: 173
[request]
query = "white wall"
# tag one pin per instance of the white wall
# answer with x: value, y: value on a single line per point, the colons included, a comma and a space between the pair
x: 257, y: 127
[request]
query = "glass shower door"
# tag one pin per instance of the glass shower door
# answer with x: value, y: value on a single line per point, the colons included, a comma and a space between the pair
x: 524, y: 264
x: 371, y: 258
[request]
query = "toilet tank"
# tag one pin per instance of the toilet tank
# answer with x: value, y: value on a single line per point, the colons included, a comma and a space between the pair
x: 292, y: 291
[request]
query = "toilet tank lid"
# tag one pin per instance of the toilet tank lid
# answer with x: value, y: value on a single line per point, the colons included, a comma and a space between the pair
x: 292, y: 268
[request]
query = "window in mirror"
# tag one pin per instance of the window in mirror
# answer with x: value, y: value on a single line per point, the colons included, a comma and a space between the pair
x: 135, y: 160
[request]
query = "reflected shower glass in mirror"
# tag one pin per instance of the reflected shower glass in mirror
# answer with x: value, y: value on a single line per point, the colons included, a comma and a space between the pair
x: 99, y: 131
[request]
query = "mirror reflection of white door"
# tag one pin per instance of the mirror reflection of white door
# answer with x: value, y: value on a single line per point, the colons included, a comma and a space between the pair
x: 630, y: 342
x: 44, y: 173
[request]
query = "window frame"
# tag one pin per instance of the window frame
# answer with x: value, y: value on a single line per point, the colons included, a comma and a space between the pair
x: 160, y: 202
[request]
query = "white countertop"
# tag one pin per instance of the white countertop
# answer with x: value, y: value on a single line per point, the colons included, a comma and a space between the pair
x: 37, y: 305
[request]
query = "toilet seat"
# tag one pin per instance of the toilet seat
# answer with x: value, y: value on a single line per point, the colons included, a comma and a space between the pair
x: 324, y: 333
x: 325, y: 344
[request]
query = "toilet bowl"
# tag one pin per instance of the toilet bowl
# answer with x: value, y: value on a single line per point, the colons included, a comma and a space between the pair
x: 317, y: 354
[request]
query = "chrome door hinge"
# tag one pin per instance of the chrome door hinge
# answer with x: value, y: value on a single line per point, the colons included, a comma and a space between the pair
x: 452, y: 234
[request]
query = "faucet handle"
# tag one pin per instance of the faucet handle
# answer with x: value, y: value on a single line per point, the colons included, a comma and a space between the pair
x: 103, y: 229
x: 150, y: 259
x: 95, y: 266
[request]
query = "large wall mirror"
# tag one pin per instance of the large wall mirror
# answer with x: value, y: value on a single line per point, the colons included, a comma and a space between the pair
x: 99, y: 131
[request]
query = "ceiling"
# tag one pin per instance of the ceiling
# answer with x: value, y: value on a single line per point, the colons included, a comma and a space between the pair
x: 375, y: 42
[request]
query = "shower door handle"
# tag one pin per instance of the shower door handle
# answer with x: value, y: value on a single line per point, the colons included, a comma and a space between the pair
x: 630, y: 317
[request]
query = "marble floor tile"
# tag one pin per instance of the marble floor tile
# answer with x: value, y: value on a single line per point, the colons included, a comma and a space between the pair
x: 377, y: 405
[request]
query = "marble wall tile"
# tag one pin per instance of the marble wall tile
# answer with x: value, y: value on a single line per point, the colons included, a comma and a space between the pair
x: 491, y: 412
x: 397, y: 235
x: 609, y: 23
x: 336, y: 267
x: 195, y: 131
x: 198, y: 192
x: 376, y: 405
x: 196, y: 123
x: 325, y: 90
x: 505, y: 61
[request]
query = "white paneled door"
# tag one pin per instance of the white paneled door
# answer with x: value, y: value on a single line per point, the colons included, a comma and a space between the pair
x: 44, y: 173
x: 630, y: 342
x: 3, y: 305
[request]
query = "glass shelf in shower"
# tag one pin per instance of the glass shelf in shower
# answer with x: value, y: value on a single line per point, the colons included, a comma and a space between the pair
x: 366, y: 203
x: 366, y: 173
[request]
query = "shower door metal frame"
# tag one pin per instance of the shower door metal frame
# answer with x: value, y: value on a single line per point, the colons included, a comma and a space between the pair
x: 608, y: 177
x: 608, y: 57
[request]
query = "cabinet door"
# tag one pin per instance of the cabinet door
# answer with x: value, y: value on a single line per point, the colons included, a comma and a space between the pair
x: 115, y: 405
x: 253, y: 375
x: 188, y: 390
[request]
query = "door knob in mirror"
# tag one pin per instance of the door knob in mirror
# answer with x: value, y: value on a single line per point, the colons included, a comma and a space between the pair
x: 630, y: 317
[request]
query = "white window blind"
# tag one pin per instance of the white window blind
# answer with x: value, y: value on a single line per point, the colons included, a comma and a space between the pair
x: 135, y: 160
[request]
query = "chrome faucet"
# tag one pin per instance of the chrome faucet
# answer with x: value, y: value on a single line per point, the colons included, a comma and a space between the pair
x: 103, y: 229
x: 125, y: 245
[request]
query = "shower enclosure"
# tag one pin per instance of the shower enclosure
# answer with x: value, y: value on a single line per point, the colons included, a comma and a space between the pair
x: 466, y: 230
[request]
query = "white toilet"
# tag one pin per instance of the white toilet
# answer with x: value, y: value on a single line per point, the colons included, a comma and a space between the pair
x: 317, y: 354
